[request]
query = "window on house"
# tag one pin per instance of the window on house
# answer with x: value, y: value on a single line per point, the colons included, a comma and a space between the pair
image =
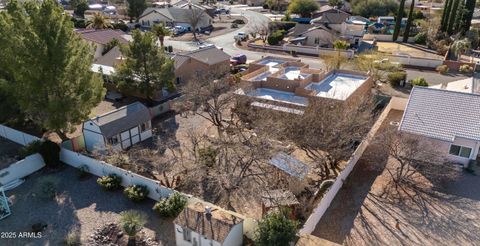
x: 317, y: 40
x: 460, y: 151
x: 187, y: 234
x: 144, y: 126
x: 113, y: 140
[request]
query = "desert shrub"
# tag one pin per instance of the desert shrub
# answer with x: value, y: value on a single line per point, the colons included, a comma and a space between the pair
x: 421, y: 38
x: 465, y: 69
x: 443, y: 69
x: 136, y: 193
x: 83, y: 171
x: 110, y: 182
x: 234, y: 25
x: 47, y: 187
x: 265, y: 6
x: 50, y: 152
x: 419, y: 82
x: 30, y: 149
x: 79, y: 23
x: 238, y: 21
x: 275, y: 37
x: 120, y: 26
x: 172, y: 206
x: 278, y: 25
x: 72, y: 238
x: 396, y: 77
x: 276, y: 229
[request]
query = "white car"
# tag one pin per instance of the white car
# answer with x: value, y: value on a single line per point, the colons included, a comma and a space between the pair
x: 240, y: 36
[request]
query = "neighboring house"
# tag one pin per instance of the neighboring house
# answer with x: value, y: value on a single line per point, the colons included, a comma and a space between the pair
x: 288, y: 85
x: 319, y: 36
x: 199, y: 224
x: 174, y: 16
x: 329, y: 16
x: 186, y: 5
x: 120, y: 128
x: 449, y: 119
x: 99, y: 38
x: 200, y: 62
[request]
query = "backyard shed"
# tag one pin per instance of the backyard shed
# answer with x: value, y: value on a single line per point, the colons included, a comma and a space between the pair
x: 120, y: 128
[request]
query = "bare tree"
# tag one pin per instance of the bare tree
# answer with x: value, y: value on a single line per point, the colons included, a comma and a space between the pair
x: 209, y: 96
x: 413, y: 156
x: 328, y: 132
x: 260, y: 29
x: 195, y: 18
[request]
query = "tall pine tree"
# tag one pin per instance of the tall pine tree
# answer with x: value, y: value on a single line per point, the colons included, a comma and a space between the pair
x: 146, y: 68
x: 406, y: 33
x: 446, y: 15
x: 398, y: 20
x: 47, y: 65
x: 470, y: 7
x: 452, y: 16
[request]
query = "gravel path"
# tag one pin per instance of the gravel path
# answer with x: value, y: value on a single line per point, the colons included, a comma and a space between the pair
x: 81, y: 204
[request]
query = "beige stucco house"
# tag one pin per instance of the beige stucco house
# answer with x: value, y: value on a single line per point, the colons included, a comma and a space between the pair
x: 175, y: 16
x: 210, y: 60
x: 449, y: 119
x: 99, y: 38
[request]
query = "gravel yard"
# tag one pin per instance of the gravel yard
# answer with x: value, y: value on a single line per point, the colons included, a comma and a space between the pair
x: 80, y: 204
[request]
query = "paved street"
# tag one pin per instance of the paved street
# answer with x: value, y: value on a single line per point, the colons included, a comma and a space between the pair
x: 227, y: 42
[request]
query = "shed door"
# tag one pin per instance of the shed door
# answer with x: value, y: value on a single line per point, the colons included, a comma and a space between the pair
x: 125, y: 137
x: 135, y: 135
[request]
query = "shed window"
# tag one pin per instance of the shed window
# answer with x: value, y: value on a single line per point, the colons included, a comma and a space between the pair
x: 113, y: 140
x: 317, y: 40
x: 461, y: 151
x: 144, y: 126
x: 187, y: 234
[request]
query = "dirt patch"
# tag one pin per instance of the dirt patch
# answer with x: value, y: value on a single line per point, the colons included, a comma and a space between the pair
x: 360, y: 214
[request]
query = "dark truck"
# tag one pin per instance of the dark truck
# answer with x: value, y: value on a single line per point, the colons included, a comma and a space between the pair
x: 238, y: 59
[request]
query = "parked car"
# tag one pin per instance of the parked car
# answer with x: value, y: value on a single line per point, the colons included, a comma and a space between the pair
x: 222, y: 11
x: 242, y: 36
x: 238, y: 59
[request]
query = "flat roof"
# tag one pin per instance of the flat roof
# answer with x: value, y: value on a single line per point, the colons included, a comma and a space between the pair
x: 337, y: 85
x: 277, y: 95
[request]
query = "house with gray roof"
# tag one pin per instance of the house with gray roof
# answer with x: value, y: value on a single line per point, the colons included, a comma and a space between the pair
x: 120, y: 128
x: 450, y: 119
x: 175, y: 16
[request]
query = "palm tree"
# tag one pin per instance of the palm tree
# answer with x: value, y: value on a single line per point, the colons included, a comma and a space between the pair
x: 132, y: 222
x: 160, y: 31
x: 459, y: 47
x: 99, y: 21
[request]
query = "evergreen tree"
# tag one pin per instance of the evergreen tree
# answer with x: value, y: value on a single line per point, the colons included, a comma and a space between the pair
x: 469, y: 6
x: 146, y: 68
x: 276, y: 229
x: 445, y: 15
x: 406, y: 33
x: 453, y: 14
x: 47, y: 65
x: 398, y: 20
x: 136, y: 8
